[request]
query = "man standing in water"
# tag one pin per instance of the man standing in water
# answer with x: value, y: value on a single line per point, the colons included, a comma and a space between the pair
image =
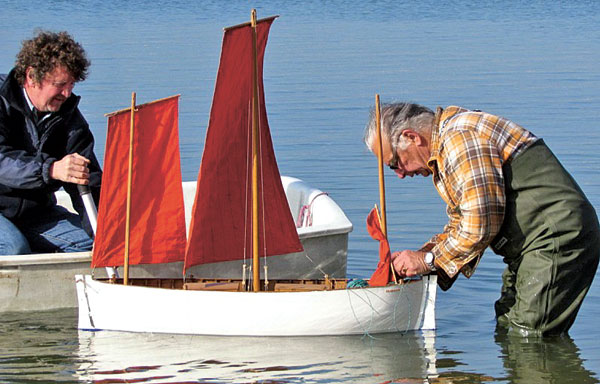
x: 503, y: 188
x: 45, y: 144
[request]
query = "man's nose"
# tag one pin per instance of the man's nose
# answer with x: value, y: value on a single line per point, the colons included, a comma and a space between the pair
x: 67, y: 90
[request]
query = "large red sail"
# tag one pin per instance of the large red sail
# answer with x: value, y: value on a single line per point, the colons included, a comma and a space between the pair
x: 157, y: 222
x: 221, y: 220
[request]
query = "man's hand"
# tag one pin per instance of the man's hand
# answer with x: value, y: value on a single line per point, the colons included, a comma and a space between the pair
x: 409, y: 263
x: 71, y: 169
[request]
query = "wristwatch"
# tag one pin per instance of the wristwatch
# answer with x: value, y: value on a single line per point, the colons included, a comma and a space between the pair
x: 429, y: 257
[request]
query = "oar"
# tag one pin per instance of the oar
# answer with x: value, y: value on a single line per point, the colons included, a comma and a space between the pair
x: 382, y: 217
x: 92, y: 214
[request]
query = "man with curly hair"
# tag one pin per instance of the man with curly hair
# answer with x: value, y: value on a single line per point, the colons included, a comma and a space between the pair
x: 45, y: 144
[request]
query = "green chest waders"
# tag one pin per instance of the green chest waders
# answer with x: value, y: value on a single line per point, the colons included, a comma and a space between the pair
x: 550, y: 240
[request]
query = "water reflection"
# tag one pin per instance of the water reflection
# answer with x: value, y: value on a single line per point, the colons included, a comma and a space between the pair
x: 547, y: 360
x: 111, y: 357
x: 37, y: 347
x: 45, y: 347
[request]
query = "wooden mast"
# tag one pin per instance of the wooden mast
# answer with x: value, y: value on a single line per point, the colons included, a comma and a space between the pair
x: 129, y: 180
x: 255, y: 257
x: 382, y: 216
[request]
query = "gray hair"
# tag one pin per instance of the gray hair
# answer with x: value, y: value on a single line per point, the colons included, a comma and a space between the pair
x: 397, y: 117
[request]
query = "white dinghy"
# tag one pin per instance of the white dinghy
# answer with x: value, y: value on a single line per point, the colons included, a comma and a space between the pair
x: 40, y: 282
x: 241, y: 214
x: 338, y: 311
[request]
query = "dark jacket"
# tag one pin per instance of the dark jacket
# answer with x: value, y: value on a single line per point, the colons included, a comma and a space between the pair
x: 28, y: 148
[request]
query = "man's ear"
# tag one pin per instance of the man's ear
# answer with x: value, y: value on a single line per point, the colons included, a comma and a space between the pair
x: 30, y: 77
x: 413, y: 136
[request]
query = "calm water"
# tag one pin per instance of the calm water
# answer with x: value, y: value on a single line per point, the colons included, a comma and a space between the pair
x: 535, y: 62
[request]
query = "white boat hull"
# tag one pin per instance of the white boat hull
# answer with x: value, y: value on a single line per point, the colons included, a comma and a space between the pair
x: 45, y: 281
x: 105, y: 306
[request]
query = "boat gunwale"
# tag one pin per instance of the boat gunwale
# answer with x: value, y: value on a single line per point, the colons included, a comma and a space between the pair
x: 45, y: 259
x: 326, y: 230
x: 343, y: 284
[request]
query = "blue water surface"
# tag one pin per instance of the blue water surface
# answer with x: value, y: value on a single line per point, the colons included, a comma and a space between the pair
x: 534, y: 62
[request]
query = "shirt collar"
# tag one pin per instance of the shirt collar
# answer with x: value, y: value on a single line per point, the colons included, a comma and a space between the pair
x: 442, y: 116
x: 41, y: 116
x: 31, y: 107
x: 434, y: 142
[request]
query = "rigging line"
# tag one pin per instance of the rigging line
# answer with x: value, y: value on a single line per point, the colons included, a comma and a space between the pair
x: 409, y: 305
x: 395, y: 315
x: 248, y: 160
x: 365, y: 330
x: 87, y: 300
x: 314, y: 264
x: 367, y: 302
x: 262, y: 186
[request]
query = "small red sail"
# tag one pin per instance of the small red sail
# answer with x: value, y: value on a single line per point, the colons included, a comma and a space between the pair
x: 383, y: 274
x: 221, y: 224
x: 157, y: 222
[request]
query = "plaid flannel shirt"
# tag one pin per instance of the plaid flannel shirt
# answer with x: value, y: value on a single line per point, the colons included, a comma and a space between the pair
x: 468, y: 149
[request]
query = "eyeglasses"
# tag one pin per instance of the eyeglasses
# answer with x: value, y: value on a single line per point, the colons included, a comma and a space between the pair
x: 62, y: 85
x: 393, y: 164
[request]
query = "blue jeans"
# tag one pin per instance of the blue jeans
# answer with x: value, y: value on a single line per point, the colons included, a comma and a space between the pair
x: 53, y: 230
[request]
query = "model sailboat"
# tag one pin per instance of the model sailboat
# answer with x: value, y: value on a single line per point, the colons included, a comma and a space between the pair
x: 241, y: 212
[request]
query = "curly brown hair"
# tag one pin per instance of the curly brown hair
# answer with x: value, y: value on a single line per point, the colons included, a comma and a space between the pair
x: 46, y: 51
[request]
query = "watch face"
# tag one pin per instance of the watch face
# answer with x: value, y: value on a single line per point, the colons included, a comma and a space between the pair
x: 429, y: 258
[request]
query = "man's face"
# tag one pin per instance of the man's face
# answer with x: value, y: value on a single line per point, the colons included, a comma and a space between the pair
x: 52, y: 91
x: 406, y: 162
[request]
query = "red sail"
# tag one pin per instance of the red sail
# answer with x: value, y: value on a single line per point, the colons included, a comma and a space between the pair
x: 157, y: 223
x: 383, y: 274
x: 221, y: 224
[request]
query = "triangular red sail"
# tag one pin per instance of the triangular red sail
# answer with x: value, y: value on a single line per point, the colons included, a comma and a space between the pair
x: 157, y: 223
x: 383, y: 274
x: 221, y: 221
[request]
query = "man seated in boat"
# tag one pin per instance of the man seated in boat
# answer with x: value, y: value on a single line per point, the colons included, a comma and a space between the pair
x: 45, y: 144
x: 504, y: 188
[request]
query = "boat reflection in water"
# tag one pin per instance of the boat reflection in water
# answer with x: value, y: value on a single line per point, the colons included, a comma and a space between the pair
x: 116, y: 357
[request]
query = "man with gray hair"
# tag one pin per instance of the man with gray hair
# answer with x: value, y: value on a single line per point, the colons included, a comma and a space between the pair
x: 45, y: 144
x: 505, y: 189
